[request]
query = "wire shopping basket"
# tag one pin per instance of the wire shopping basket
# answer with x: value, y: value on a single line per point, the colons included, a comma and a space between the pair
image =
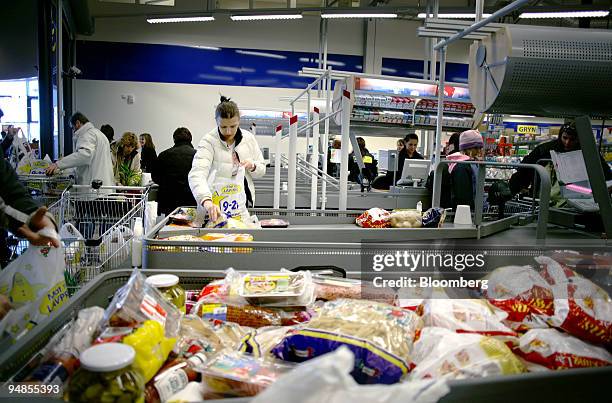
x: 44, y: 189
x: 99, y: 221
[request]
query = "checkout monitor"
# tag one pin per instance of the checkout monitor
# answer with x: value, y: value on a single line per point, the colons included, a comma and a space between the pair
x: 416, y: 169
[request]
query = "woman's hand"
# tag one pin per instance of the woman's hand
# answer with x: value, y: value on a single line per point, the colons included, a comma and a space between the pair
x: 5, y: 305
x: 39, y: 221
x: 249, y: 165
x: 214, y: 212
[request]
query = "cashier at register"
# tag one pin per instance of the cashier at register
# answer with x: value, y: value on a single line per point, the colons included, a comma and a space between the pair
x: 566, y: 142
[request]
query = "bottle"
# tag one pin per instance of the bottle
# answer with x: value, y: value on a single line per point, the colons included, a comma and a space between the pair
x: 55, y: 370
x: 419, y: 207
x: 137, y: 243
x: 173, y: 378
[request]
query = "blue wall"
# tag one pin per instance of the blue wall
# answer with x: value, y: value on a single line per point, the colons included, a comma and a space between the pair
x: 118, y: 61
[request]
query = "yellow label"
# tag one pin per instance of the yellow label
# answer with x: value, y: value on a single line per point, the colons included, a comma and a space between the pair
x: 367, y: 159
x: 527, y: 129
x: 56, y: 296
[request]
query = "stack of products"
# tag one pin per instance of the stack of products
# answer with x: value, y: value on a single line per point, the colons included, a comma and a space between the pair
x: 242, y: 333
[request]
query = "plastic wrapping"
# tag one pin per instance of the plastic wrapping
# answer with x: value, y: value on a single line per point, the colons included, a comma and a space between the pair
x: 556, y: 350
x: 136, y: 302
x: 277, y: 289
x: 581, y: 308
x: 223, y: 237
x: 252, y: 316
x: 327, y: 379
x: 523, y: 294
x: 234, y: 374
x: 442, y: 353
x: 374, y: 218
x: 332, y: 288
x: 82, y: 330
x: 274, y: 223
x: 183, y: 216
x: 260, y: 342
x: 466, y: 316
x: 434, y: 217
x: 379, y: 335
x: 405, y: 219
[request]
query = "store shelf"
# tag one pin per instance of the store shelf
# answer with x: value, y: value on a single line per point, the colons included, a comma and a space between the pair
x: 445, y: 112
x: 384, y: 125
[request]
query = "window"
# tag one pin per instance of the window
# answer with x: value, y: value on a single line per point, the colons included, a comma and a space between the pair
x: 19, y: 102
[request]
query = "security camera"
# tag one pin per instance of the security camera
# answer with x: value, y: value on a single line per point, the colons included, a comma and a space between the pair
x: 73, y: 72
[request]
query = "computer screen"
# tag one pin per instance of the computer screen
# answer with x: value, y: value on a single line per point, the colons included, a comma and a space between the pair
x: 416, y: 169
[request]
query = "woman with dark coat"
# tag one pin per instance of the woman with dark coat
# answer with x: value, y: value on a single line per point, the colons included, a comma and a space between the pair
x: 147, y: 152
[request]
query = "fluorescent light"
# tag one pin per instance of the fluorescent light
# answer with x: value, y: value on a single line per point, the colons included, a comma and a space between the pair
x: 566, y: 14
x: 522, y: 116
x: 261, y: 54
x: 159, y: 20
x: 266, y: 17
x: 360, y: 15
x: 458, y: 16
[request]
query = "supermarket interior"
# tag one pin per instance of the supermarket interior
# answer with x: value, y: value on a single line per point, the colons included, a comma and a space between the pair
x: 378, y: 201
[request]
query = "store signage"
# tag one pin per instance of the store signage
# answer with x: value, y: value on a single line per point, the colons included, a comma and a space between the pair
x: 527, y: 129
x: 415, y: 89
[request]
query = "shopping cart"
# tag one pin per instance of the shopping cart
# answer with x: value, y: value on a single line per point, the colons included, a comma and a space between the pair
x: 521, y: 207
x: 97, y: 224
x: 44, y: 189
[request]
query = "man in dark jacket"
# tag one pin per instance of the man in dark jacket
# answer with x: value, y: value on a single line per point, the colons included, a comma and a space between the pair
x: 19, y: 213
x: 371, y: 165
x: 566, y: 142
x: 171, y: 171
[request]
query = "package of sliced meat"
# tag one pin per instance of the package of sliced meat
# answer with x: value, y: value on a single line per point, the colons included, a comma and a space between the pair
x: 581, y: 308
x: 523, y: 294
x: 556, y: 350
x: 442, y: 353
x: 467, y: 316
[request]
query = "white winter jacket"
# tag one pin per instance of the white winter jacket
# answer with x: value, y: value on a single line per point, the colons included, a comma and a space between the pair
x: 91, y: 157
x: 214, y: 154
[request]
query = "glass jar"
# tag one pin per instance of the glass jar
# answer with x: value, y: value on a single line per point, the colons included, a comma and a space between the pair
x: 168, y: 285
x: 107, y: 375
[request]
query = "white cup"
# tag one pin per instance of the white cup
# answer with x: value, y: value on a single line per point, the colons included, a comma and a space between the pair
x: 285, y: 187
x: 463, y: 215
x: 145, y: 179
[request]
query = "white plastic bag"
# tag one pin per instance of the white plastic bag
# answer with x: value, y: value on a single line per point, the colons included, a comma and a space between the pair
x: 74, y: 242
x: 328, y: 379
x: 35, y: 285
x: 229, y: 194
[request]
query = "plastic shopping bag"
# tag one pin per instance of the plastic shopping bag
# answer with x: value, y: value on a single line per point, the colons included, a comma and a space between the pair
x: 229, y: 194
x: 74, y: 242
x: 35, y: 285
x: 328, y: 379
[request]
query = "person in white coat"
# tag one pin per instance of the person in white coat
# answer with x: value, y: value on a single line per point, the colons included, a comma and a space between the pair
x: 92, y: 156
x: 224, y: 150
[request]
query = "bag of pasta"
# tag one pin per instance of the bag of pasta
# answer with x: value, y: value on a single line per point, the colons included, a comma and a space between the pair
x: 380, y: 336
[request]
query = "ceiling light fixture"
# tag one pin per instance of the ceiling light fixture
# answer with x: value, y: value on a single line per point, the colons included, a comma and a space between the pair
x: 566, y: 14
x: 262, y: 17
x: 458, y: 16
x: 359, y: 15
x: 161, y: 20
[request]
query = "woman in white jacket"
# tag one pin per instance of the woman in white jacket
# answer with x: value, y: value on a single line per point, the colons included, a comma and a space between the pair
x: 224, y: 150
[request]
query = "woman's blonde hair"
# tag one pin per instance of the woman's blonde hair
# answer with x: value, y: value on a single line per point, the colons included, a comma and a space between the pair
x: 128, y: 139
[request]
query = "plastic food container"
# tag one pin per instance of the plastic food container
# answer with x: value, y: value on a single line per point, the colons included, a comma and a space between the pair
x: 277, y: 289
x: 168, y: 285
x: 231, y: 373
x: 107, y: 375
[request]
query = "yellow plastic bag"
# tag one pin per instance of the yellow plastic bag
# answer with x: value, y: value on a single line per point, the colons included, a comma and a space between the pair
x: 151, y: 347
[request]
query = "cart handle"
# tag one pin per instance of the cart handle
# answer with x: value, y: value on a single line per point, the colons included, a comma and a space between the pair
x: 541, y: 172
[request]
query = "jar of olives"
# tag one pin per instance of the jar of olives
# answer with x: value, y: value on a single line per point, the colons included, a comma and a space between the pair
x: 107, y: 375
x: 168, y: 285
